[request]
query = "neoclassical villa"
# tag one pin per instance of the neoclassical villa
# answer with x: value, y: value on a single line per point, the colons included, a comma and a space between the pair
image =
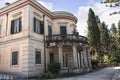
x: 31, y: 37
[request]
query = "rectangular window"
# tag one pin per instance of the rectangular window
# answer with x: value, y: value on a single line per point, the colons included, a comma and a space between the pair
x: 16, y: 26
x: 51, y: 57
x: 15, y: 58
x: 37, y: 57
x: 63, y: 30
x: 49, y: 30
x: 38, y: 26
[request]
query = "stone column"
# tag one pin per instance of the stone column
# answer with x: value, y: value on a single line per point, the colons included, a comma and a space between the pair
x: 82, y: 61
x: 85, y: 57
x: 60, y: 55
x: 89, y: 58
x: 75, y: 57
x: 47, y: 56
x: 78, y: 60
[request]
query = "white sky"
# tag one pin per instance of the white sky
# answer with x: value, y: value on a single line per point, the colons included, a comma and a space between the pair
x: 82, y: 13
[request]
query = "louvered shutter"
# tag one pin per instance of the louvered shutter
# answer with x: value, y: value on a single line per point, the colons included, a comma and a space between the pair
x: 12, y: 27
x: 20, y: 25
x: 41, y: 27
x: 34, y: 24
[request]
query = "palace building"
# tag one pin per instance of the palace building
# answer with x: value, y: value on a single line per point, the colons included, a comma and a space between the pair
x: 31, y: 37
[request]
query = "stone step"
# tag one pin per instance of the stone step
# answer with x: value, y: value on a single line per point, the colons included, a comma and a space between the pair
x: 7, y: 77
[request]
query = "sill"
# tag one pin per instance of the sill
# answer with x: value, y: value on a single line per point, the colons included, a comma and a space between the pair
x: 38, y: 64
x: 14, y: 66
x: 15, y: 33
x: 38, y: 33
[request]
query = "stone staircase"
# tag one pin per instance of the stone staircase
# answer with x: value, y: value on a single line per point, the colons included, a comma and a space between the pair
x: 8, y: 77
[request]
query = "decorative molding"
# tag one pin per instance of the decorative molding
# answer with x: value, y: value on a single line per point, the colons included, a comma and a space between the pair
x: 62, y: 23
x: 36, y: 14
x: 17, y: 14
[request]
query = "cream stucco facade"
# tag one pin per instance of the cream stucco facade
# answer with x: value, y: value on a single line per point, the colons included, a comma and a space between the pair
x: 26, y: 41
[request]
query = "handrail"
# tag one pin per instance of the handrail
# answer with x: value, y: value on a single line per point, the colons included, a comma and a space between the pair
x: 67, y: 37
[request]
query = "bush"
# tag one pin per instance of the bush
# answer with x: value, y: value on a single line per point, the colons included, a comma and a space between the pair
x: 48, y: 76
x: 54, y: 67
x: 115, y: 56
x: 106, y: 59
x: 94, y: 64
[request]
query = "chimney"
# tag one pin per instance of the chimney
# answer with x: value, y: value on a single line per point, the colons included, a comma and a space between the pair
x: 7, y: 3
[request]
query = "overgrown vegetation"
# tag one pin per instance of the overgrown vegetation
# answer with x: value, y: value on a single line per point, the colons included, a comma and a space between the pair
x: 54, y: 67
x: 104, y: 43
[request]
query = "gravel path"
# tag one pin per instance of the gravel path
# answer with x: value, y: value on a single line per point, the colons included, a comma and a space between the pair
x: 104, y: 74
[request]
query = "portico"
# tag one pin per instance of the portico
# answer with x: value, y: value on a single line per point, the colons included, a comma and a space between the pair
x: 73, y: 56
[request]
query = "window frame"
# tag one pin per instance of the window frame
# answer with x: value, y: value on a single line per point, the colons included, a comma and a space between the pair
x: 36, y: 58
x: 16, y: 25
x: 38, y: 26
x: 49, y: 30
x: 63, y: 27
x: 17, y: 58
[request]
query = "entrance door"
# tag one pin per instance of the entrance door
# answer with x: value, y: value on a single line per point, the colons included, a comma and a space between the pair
x: 65, y: 60
x: 51, y: 58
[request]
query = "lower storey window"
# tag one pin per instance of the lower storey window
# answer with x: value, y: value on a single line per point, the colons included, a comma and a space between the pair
x: 15, y: 58
x: 37, y: 57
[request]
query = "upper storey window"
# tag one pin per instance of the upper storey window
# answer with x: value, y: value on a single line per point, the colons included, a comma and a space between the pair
x: 49, y: 30
x: 16, y: 26
x: 38, y: 26
x: 63, y: 30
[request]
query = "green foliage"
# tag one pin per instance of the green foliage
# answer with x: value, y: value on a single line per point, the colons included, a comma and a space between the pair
x: 95, y: 64
x: 110, y: 1
x: 47, y: 76
x: 106, y: 59
x: 93, y: 30
x: 104, y: 37
x: 115, y: 56
x: 54, y: 67
x: 113, y: 30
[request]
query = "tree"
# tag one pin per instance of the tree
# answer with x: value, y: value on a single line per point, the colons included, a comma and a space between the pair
x: 113, y: 37
x: 118, y: 34
x: 110, y: 1
x: 104, y: 37
x: 113, y: 30
x: 93, y: 31
x: 119, y: 28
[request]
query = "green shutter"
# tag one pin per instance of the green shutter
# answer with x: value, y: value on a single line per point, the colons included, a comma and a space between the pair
x: 41, y: 27
x: 20, y: 23
x: 34, y: 24
x: 12, y: 27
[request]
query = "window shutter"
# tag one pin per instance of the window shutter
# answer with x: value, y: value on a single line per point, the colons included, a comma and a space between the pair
x: 12, y: 27
x: 34, y: 24
x: 20, y: 25
x: 41, y: 27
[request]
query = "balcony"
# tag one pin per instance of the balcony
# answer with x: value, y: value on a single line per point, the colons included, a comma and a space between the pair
x: 69, y: 38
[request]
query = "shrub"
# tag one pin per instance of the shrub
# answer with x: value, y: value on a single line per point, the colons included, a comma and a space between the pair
x: 115, y: 56
x: 94, y: 64
x: 47, y: 76
x: 106, y: 59
x: 54, y: 67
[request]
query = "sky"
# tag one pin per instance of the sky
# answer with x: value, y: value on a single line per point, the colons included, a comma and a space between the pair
x: 80, y: 9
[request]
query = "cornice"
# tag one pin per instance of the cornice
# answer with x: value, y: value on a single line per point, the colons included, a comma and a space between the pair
x: 39, y: 7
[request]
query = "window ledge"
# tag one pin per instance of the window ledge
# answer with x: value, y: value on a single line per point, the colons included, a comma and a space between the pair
x: 38, y: 64
x: 14, y: 65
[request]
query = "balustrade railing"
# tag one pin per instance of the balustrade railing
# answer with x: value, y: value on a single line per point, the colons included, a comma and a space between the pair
x: 67, y: 38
